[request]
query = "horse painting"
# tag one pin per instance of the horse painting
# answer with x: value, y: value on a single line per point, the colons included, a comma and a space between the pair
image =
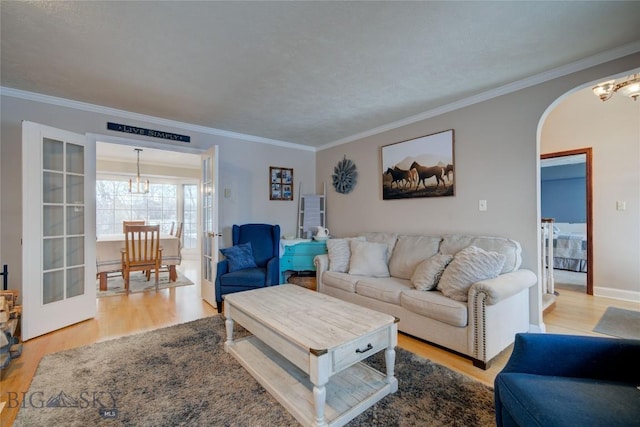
x: 413, y: 177
x: 399, y: 175
x: 447, y: 170
x: 426, y: 172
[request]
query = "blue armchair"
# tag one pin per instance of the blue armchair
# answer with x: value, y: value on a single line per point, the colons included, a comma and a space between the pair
x: 568, y: 380
x: 265, y: 245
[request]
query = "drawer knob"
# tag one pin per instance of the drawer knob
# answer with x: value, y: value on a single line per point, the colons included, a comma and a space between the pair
x: 369, y: 347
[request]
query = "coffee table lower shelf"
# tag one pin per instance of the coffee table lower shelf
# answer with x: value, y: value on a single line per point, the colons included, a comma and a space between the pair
x: 349, y: 392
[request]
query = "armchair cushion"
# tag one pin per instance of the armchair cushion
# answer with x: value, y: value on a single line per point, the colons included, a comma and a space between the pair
x: 239, y: 257
x: 562, y: 380
x: 248, y: 277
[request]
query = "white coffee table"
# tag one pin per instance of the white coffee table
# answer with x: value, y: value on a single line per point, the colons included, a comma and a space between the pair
x: 306, y: 350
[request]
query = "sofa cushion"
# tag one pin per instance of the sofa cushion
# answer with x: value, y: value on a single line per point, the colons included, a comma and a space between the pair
x: 382, y: 289
x: 388, y: 239
x: 410, y: 251
x: 470, y: 265
x: 340, y: 253
x: 536, y: 400
x: 429, y: 271
x: 368, y: 259
x: 454, y: 243
x: 435, y: 306
x: 339, y: 280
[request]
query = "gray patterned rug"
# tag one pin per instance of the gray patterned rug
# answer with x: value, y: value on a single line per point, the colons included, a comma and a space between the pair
x: 181, y: 375
x: 138, y: 283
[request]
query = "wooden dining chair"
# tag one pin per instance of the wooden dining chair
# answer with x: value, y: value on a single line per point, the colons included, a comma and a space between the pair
x: 125, y: 223
x: 142, y: 251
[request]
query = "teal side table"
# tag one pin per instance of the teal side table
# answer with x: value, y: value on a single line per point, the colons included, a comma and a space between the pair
x: 299, y: 257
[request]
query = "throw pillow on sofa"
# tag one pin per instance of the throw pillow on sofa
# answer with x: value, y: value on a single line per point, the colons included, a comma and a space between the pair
x: 340, y: 253
x: 409, y: 251
x: 388, y: 239
x: 429, y: 271
x: 368, y: 259
x: 239, y: 257
x: 469, y: 266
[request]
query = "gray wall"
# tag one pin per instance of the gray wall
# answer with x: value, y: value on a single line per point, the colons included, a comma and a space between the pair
x: 496, y: 159
x: 244, y: 169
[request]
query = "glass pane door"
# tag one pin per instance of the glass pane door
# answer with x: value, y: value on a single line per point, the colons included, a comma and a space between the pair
x: 58, y: 235
x: 63, y: 262
x: 209, y: 221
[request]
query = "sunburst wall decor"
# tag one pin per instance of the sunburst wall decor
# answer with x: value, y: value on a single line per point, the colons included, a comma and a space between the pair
x: 345, y: 176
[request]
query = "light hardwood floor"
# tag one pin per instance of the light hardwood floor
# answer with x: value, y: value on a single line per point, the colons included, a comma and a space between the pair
x: 575, y: 313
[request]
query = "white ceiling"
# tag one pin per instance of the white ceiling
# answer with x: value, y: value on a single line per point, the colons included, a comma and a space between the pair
x: 312, y: 73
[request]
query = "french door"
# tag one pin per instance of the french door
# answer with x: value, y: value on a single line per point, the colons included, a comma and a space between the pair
x: 58, y: 229
x: 209, y: 220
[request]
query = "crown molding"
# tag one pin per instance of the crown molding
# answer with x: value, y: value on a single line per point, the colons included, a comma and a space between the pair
x: 99, y: 109
x: 573, y: 67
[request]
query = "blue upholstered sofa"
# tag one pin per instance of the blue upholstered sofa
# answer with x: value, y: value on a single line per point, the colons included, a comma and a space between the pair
x: 566, y: 380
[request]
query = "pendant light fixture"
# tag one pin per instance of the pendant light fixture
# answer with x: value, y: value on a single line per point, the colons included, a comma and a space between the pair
x: 145, y: 186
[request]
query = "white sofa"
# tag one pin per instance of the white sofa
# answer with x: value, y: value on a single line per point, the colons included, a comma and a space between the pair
x: 496, y: 308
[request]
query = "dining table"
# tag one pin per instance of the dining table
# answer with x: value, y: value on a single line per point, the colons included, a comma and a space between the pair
x: 109, y: 249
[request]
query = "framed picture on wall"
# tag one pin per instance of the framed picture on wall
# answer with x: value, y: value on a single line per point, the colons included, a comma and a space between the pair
x: 419, y: 167
x: 280, y: 183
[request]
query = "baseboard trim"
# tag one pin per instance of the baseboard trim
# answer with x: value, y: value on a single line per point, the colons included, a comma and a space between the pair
x: 616, y: 294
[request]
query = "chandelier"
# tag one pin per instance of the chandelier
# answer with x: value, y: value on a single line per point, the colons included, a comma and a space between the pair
x: 629, y: 87
x: 145, y: 186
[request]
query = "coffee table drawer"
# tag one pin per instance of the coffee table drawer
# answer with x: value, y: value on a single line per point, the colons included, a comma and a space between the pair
x: 360, y: 349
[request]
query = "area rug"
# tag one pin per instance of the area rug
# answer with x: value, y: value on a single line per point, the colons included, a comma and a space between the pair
x: 181, y: 375
x: 138, y: 283
x: 620, y: 323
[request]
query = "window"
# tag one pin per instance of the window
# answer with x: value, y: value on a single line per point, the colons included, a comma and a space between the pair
x: 115, y: 204
x: 190, y: 216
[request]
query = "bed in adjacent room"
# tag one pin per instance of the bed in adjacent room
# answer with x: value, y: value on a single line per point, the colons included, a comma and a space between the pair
x: 570, y: 247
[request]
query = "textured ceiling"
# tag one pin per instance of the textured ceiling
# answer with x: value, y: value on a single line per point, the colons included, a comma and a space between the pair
x: 303, y: 72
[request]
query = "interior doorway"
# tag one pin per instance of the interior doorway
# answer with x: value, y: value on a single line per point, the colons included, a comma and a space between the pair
x: 172, y: 199
x: 577, y: 156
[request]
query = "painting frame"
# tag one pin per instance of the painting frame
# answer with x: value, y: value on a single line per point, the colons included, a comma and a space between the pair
x: 426, y: 161
x: 280, y: 183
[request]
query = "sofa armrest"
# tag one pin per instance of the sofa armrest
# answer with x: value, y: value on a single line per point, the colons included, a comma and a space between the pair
x: 322, y: 264
x: 576, y: 356
x: 503, y: 286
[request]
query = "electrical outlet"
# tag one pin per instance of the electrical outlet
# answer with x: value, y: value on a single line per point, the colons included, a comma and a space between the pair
x: 621, y: 205
x: 482, y: 205
x: 227, y: 193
